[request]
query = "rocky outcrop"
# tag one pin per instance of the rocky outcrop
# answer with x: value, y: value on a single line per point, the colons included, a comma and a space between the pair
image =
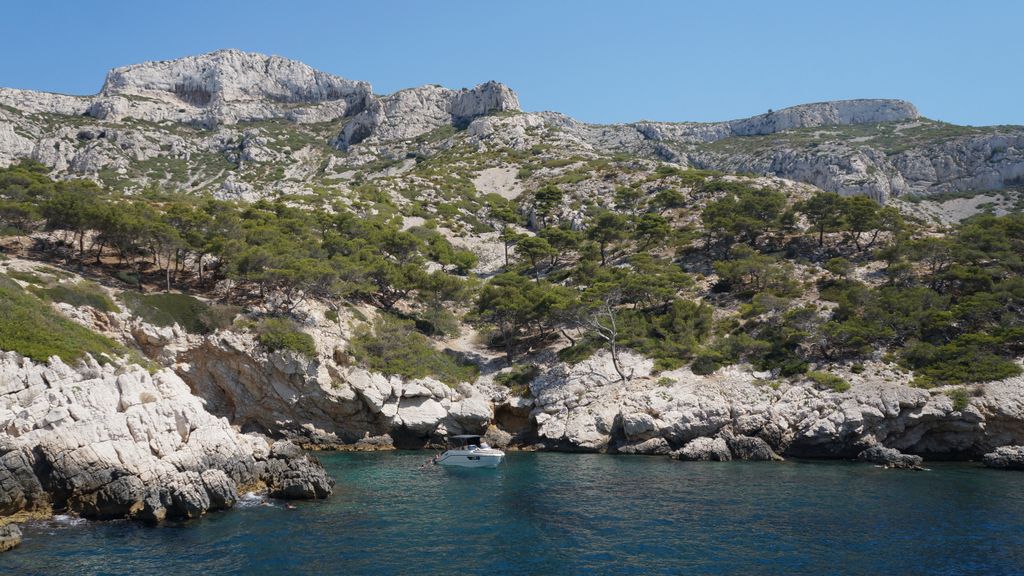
x: 704, y: 450
x: 970, y: 162
x: 750, y: 448
x: 899, y: 154
x: 835, y: 113
x: 225, y: 87
x: 1005, y: 458
x: 116, y: 442
x: 649, y: 447
x: 410, y: 113
x: 318, y: 403
x: 890, y: 458
x: 233, y: 76
x: 10, y: 537
x: 583, y: 407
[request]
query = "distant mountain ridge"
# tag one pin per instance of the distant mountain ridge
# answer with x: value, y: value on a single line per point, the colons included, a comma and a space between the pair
x: 876, y: 147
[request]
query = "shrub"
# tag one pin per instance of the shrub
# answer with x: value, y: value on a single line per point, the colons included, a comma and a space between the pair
x: 518, y: 378
x: 282, y: 334
x: 960, y: 399
x: 706, y: 363
x: 965, y: 360
x: 393, y: 346
x: 190, y: 313
x: 828, y: 380
x: 35, y: 330
x: 82, y: 293
x: 127, y: 277
x: 580, y: 351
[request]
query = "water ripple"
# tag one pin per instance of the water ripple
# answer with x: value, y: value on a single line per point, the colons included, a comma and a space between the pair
x: 575, y: 514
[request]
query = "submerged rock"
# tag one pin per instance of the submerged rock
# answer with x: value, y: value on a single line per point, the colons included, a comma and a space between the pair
x: 1005, y: 458
x: 890, y: 458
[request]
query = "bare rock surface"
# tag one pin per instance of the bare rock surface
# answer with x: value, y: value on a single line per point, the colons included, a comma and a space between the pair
x: 704, y: 449
x: 890, y: 458
x: 10, y: 537
x: 584, y: 407
x: 115, y: 442
x: 1005, y: 458
x: 415, y: 111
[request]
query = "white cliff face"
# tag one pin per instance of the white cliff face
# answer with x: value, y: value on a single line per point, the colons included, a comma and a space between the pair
x: 109, y: 442
x: 409, y: 113
x: 315, y: 401
x: 838, y: 113
x: 225, y: 87
x: 585, y: 408
x: 12, y: 144
x: 232, y: 76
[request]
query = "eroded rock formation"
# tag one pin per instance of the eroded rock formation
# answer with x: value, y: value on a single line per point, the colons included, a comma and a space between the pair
x: 107, y: 442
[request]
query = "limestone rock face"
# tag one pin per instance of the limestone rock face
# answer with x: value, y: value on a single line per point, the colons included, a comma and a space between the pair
x: 1005, y: 458
x: 410, y: 113
x: 108, y: 442
x: 233, y: 76
x: 841, y: 112
x: 224, y: 87
x: 12, y: 144
x: 584, y: 407
x: 316, y: 402
x: 890, y: 458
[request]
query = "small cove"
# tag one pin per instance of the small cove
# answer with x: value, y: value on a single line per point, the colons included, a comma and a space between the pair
x: 549, y: 513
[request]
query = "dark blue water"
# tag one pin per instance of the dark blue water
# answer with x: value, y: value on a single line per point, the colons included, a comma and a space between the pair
x: 578, y: 514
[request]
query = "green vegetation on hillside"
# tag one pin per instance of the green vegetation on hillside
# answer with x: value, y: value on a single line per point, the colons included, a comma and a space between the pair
x: 186, y: 311
x: 682, y: 266
x: 392, y: 346
x: 35, y: 330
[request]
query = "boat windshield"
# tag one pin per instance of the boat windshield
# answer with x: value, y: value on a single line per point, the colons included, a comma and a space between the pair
x: 464, y: 442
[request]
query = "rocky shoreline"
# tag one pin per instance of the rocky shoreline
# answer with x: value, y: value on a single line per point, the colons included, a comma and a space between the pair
x: 105, y: 442
x: 224, y: 416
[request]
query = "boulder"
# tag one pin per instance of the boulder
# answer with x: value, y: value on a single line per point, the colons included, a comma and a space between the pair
x: 373, y: 443
x: 890, y: 458
x: 1005, y: 458
x: 497, y: 437
x: 292, y: 475
x: 653, y: 446
x: 220, y: 490
x: 420, y: 415
x: 750, y: 448
x: 10, y: 537
x: 705, y: 450
x: 638, y: 425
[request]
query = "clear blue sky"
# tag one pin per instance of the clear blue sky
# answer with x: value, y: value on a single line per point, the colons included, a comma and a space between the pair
x: 599, y: 61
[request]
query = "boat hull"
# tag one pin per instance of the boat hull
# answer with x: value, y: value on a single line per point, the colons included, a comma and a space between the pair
x: 470, y: 460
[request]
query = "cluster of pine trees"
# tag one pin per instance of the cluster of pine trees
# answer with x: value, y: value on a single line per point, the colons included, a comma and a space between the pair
x: 724, y: 272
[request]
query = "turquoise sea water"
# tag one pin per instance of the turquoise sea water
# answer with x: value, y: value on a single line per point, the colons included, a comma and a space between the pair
x: 577, y: 514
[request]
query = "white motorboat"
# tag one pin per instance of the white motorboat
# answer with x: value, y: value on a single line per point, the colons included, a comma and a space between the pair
x: 467, y: 451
